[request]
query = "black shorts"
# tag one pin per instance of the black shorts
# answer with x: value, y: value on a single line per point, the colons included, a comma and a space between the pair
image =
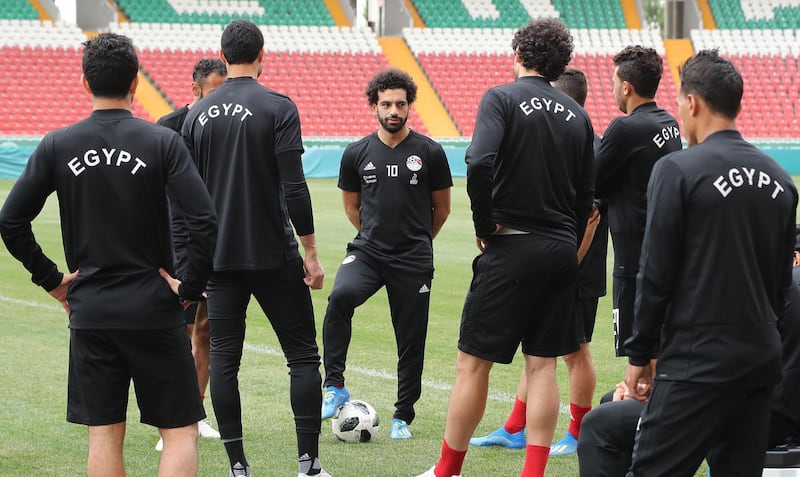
x: 522, y: 290
x: 190, y: 313
x: 585, y: 313
x: 624, y: 296
x: 102, y: 364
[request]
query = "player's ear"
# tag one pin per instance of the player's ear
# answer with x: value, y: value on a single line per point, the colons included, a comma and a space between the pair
x: 196, y: 89
x: 692, y: 104
x: 222, y: 57
x: 85, y: 84
x: 134, y: 85
x: 627, y: 88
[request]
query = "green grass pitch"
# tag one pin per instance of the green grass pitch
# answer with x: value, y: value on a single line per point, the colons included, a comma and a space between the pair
x: 33, y: 370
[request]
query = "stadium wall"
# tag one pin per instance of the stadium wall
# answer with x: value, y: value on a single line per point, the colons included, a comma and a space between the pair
x: 322, y: 155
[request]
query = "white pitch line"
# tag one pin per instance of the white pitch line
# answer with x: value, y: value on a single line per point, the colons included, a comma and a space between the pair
x: 374, y: 373
x: 32, y: 304
x: 266, y: 350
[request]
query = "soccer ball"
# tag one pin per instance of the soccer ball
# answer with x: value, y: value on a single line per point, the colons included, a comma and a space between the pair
x: 355, y: 421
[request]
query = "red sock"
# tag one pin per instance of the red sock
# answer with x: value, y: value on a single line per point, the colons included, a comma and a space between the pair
x: 450, y: 462
x: 576, y: 414
x: 535, y: 461
x: 516, y: 420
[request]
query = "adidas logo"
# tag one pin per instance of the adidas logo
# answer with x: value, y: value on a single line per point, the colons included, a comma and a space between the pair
x: 424, y: 289
x: 369, y: 167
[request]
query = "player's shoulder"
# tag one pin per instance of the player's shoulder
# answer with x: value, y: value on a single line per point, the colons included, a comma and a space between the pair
x: 174, y: 118
x: 362, y: 143
x: 152, y: 128
x: 423, y: 139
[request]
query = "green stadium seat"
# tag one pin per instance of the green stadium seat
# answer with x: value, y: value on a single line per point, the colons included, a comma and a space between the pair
x: 731, y: 14
x: 575, y: 13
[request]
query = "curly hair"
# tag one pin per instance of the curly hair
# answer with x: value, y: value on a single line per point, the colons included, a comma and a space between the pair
x: 206, y: 67
x: 545, y: 46
x: 714, y: 79
x: 391, y: 78
x: 109, y: 64
x: 641, y: 67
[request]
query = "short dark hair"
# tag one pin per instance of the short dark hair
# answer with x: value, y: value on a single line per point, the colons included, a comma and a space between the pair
x: 206, y: 67
x: 714, y: 79
x: 241, y: 42
x: 109, y: 65
x: 642, y: 67
x: 573, y: 83
x: 545, y: 45
x: 391, y: 78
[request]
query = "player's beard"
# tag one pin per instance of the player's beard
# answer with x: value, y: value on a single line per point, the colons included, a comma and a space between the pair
x: 393, y: 128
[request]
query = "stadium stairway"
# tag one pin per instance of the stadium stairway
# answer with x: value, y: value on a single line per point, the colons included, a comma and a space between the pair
x: 708, y: 16
x: 415, y: 17
x: 631, y: 14
x: 337, y: 13
x: 677, y: 50
x: 151, y: 98
x: 43, y: 15
x: 429, y: 106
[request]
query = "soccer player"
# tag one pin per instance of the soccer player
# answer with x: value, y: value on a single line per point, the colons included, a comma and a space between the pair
x: 630, y: 147
x: 714, y: 274
x: 110, y: 172
x: 605, y: 448
x: 591, y: 286
x: 207, y: 75
x: 529, y: 179
x: 245, y: 139
x: 396, y: 189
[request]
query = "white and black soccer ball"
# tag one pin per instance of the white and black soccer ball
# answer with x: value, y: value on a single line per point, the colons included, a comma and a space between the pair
x: 355, y: 421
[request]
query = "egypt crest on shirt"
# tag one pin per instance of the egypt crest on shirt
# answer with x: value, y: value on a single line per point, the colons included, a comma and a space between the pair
x: 408, y: 172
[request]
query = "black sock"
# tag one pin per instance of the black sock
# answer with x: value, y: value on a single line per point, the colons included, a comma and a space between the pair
x: 235, y: 450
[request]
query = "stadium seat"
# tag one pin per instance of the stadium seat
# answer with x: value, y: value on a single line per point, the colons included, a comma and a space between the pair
x: 756, y: 14
x: 484, y: 56
x: 769, y: 63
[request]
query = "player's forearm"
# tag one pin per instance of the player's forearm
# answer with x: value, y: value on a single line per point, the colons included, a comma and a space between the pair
x: 21, y: 243
x: 309, y: 243
x: 298, y: 202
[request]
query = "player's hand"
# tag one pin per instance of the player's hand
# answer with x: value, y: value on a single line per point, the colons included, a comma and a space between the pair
x: 315, y: 275
x: 173, y: 282
x: 174, y: 285
x: 482, y: 241
x: 594, y: 217
x: 60, y: 292
x: 639, y: 380
x: 620, y: 392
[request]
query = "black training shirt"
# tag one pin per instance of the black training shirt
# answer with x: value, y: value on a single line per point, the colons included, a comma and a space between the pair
x: 630, y: 147
x: 592, y: 270
x: 716, y: 264
x: 175, y: 119
x: 236, y: 136
x: 110, y: 172
x: 395, y: 186
x: 530, y: 163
